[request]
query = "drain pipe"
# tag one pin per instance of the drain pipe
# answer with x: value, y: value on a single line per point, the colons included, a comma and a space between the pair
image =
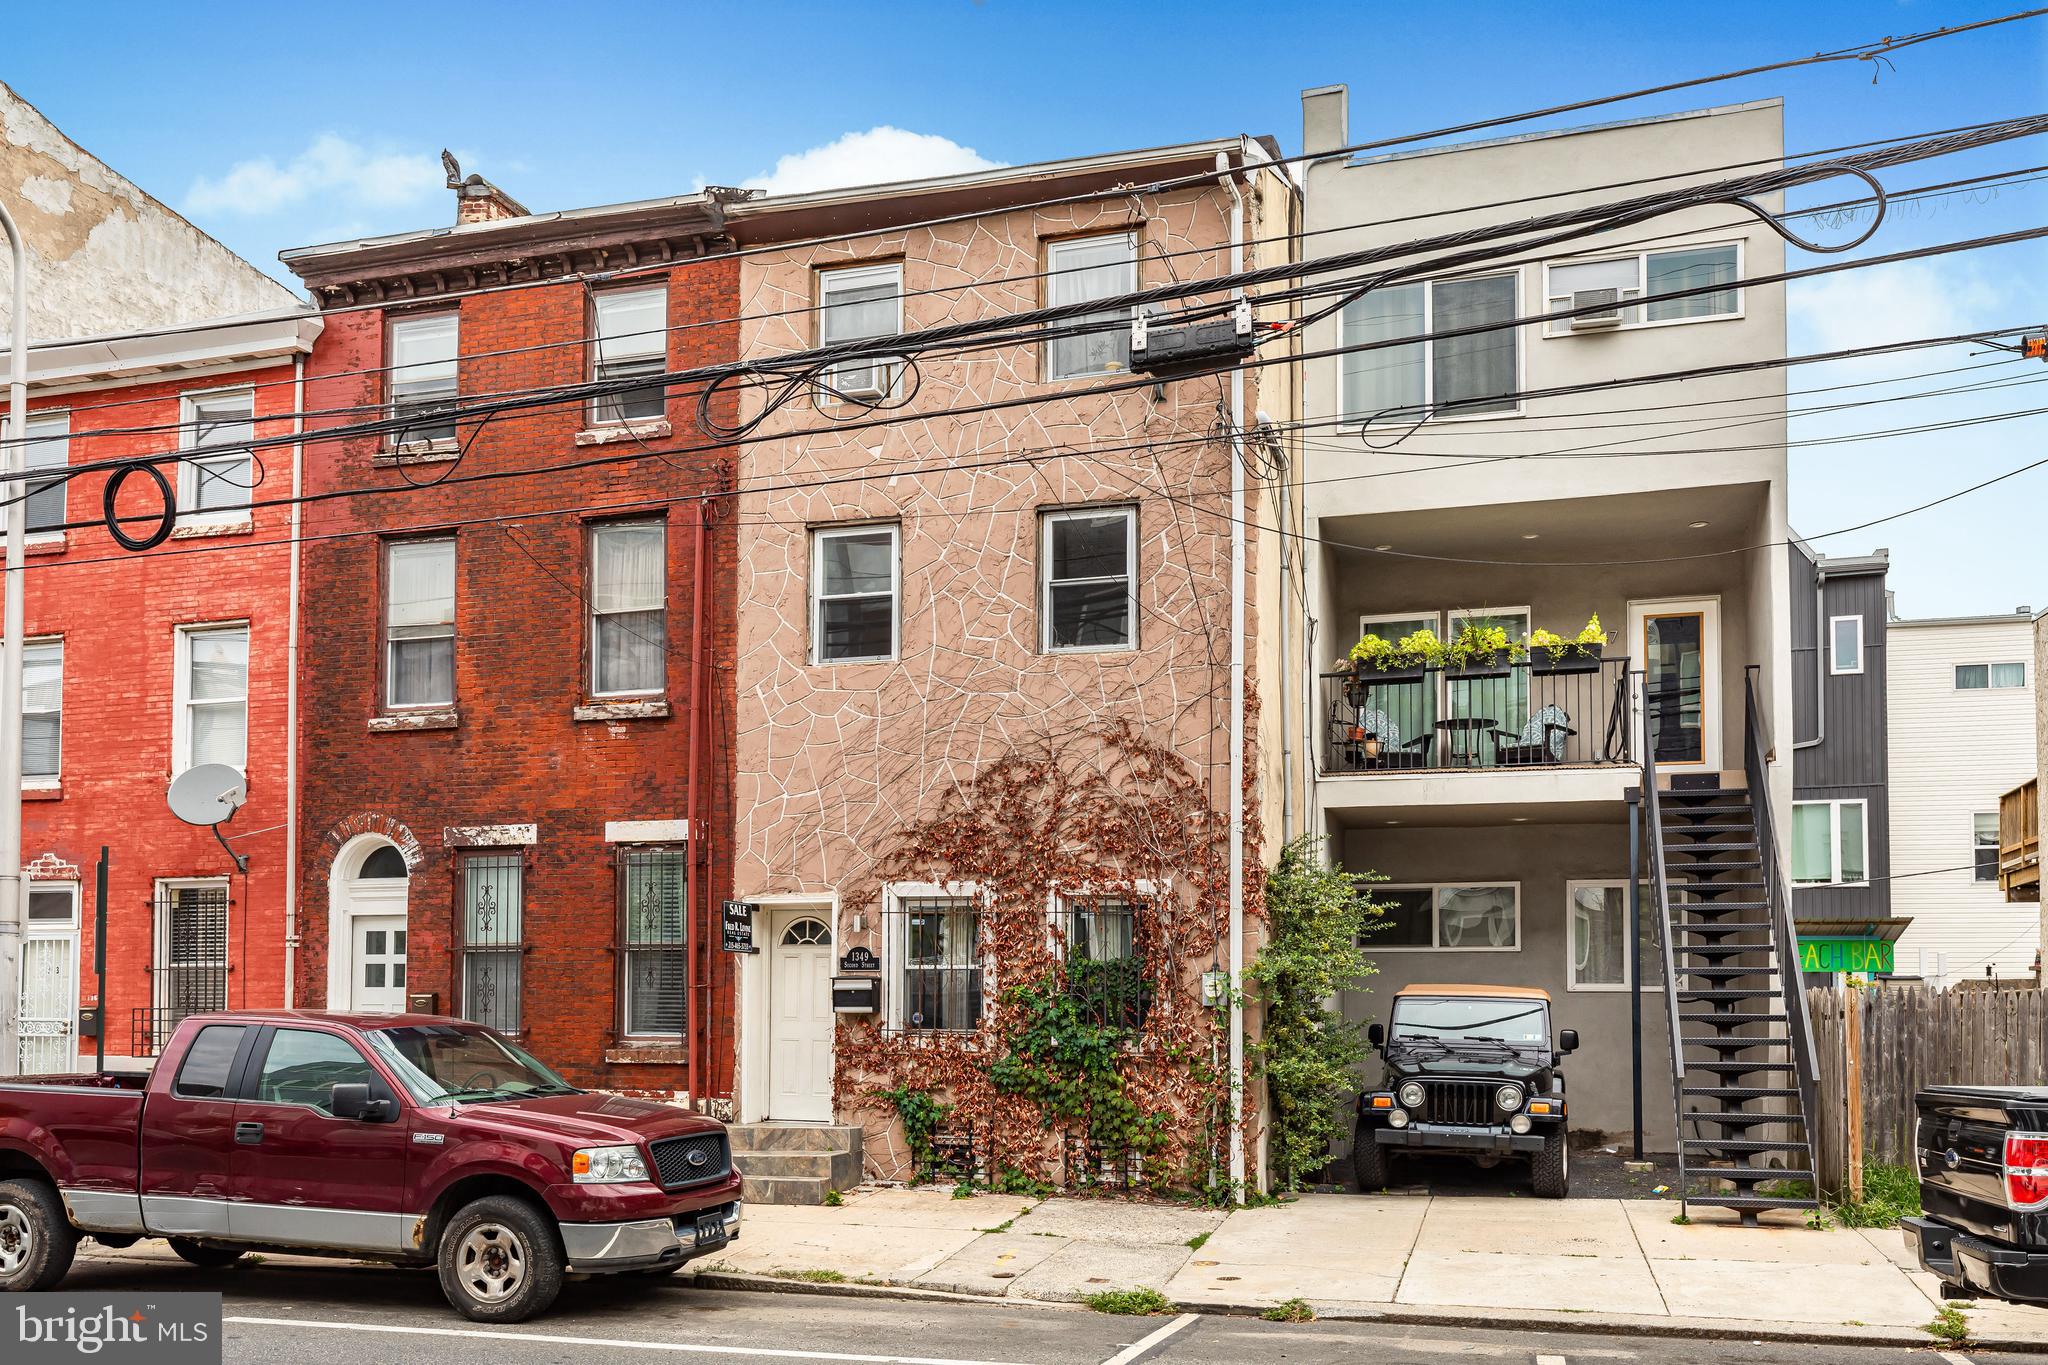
x: 291, y: 696
x: 1237, y: 564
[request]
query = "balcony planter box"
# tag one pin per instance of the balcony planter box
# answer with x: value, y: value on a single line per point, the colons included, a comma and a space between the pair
x: 1360, y: 674
x: 1475, y: 672
x: 1577, y: 659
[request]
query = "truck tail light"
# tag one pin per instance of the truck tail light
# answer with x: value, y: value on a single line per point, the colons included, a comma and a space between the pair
x: 2026, y: 1170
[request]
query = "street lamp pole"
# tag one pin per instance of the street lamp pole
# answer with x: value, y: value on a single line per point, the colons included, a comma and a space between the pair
x: 13, y: 463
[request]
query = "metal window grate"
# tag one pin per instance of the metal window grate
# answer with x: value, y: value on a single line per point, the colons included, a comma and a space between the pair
x: 1090, y: 1165
x: 940, y: 981
x: 653, y: 891
x: 493, y: 939
x: 189, y: 970
x: 1105, y: 942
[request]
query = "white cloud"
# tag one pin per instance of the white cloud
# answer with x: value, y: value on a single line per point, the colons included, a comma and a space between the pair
x: 1902, y: 302
x: 330, y: 165
x: 875, y: 157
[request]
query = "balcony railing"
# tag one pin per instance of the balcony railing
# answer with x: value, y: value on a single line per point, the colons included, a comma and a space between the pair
x: 2019, y: 842
x: 1526, y: 715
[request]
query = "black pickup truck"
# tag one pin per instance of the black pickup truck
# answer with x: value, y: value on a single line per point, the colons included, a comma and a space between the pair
x: 1982, y: 1154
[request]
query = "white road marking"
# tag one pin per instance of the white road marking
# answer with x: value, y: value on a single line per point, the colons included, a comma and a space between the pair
x: 1952, y: 1358
x: 1550, y: 1360
x: 1150, y: 1342
x: 616, y: 1343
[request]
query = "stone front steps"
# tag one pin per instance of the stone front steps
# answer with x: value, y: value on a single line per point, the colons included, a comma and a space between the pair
x: 795, y: 1163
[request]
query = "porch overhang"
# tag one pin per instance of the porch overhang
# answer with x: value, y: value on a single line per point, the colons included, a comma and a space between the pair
x: 1495, y: 796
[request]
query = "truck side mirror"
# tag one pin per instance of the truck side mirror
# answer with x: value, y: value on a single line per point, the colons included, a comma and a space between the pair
x: 1375, y: 1035
x: 1567, y: 1041
x: 351, y: 1100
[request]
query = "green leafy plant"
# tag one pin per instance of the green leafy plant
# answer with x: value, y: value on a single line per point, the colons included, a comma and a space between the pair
x: 1064, y: 1059
x: 813, y: 1276
x: 922, y: 1117
x: 1889, y: 1194
x: 1680, y: 1219
x: 1484, y: 644
x: 1949, y: 1325
x: 833, y: 1199
x: 1559, y: 646
x: 1198, y: 1241
x: 1591, y: 633
x: 1376, y: 654
x: 964, y: 1190
x: 1308, y: 1054
x: 1292, y: 1310
x: 1012, y: 1181
x: 1132, y: 1303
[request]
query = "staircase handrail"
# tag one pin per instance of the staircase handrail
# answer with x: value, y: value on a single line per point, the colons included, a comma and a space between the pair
x: 1661, y: 898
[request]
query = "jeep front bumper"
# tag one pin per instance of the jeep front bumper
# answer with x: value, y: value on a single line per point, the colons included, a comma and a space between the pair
x: 1453, y: 1137
x: 648, y: 1242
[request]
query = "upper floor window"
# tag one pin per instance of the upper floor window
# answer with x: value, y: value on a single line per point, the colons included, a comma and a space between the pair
x: 1081, y: 270
x: 1830, y: 843
x: 1845, y: 644
x: 42, y: 710
x: 1087, y: 563
x: 419, y: 622
x: 853, y: 594
x: 1984, y: 826
x: 212, y: 720
x: 1645, y: 275
x: 216, y: 481
x: 1977, y: 677
x: 49, y: 447
x: 628, y: 608
x: 857, y: 304
x: 630, y: 341
x: 1453, y: 376
x: 423, y: 377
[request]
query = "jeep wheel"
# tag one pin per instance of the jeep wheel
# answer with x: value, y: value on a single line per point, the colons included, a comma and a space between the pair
x: 1550, y: 1170
x: 500, y: 1261
x: 36, y: 1237
x: 1368, y: 1159
x: 204, y: 1256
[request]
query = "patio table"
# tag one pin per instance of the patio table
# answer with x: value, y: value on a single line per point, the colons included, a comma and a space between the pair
x: 1460, y: 734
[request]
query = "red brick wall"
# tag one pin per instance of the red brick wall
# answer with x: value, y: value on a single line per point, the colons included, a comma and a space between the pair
x: 118, y: 615
x: 517, y: 756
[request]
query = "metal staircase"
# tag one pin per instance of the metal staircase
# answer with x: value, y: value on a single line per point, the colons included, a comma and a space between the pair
x: 1741, y: 1047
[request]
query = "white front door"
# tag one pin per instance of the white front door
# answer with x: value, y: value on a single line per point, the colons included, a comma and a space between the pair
x: 1679, y: 646
x: 49, y: 1002
x: 379, y: 980
x: 800, y: 1018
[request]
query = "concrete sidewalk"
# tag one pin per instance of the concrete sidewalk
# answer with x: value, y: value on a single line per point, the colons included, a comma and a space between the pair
x: 1575, y: 1263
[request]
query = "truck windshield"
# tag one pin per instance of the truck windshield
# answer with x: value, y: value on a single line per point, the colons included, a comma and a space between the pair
x: 1471, y: 1017
x: 440, y: 1063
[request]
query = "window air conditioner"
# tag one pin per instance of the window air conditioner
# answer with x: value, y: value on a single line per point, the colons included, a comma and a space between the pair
x: 869, y: 379
x: 1607, y: 302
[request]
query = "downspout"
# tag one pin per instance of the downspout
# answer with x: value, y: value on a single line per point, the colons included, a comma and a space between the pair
x: 291, y: 698
x: 700, y: 1000
x: 1237, y: 690
x: 1823, y: 646
x: 13, y: 462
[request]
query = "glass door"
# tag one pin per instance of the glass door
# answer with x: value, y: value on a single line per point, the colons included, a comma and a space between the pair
x: 1678, y: 643
x: 1478, y: 707
x: 1408, y: 707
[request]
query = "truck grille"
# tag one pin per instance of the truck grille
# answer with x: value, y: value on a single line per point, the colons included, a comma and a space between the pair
x: 690, y: 1160
x: 1466, y: 1102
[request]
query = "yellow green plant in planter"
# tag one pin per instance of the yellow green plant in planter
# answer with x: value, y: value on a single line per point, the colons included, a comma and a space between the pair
x: 1552, y: 653
x: 1377, y: 658
x: 1482, y: 650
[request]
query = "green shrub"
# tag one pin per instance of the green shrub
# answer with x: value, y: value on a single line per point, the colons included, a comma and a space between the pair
x: 1131, y: 1303
x: 1293, y: 1310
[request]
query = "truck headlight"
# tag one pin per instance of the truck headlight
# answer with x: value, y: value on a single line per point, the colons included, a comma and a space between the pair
x: 607, y: 1166
x: 1411, y: 1094
x: 1508, y: 1097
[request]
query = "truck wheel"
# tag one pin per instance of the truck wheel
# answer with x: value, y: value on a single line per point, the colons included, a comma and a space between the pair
x: 203, y: 1256
x: 1550, y: 1170
x: 37, y: 1240
x: 1368, y: 1160
x: 500, y: 1261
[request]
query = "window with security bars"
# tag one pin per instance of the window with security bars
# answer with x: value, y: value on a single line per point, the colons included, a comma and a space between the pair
x: 1105, y: 951
x: 493, y: 938
x: 191, y: 958
x: 936, y: 943
x: 654, y: 928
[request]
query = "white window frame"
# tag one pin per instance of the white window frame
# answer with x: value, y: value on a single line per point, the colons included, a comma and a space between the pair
x: 680, y: 849
x: 394, y: 379
x: 73, y: 893
x: 820, y: 534
x: 45, y: 781
x: 1129, y: 512
x: 1053, y: 251
x: 1835, y: 842
x: 1834, y: 660
x: 1955, y: 675
x: 1554, y: 301
x: 391, y: 641
x: 1571, y: 957
x: 189, y: 404
x: 50, y: 424
x: 894, y: 960
x: 181, y: 691
x: 853, y: 277
x: 1436, y: 927
x: 1975, y: 848
x: 593, y: 616
x: 1357, y: 419
x: 641, y: 348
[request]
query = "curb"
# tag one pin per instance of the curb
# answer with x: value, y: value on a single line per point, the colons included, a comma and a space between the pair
x: 1403, y: 1315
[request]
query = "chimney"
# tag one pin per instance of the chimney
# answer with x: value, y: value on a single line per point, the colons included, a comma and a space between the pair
x: 1325, y: 119
x: 477, y: 200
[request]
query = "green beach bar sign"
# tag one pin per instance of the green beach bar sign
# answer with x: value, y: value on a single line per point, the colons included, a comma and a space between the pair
x: 1861, y: 955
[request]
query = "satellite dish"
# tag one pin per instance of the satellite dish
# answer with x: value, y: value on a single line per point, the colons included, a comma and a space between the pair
x: 209, y: 794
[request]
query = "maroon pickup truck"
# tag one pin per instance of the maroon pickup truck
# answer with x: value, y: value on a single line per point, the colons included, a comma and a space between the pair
x: 406, y: 1138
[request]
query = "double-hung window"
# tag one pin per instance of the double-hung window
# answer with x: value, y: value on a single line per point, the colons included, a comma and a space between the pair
x: 853, y: 594
x: 1451, y: 376
x: 423, y: 378
x: 212, y: 696
x: 1985, y: 829
x: 49, y: 447
x: 1081, y: 270
x: 628, y: 608
x: 42, y: 711
x: 652, y: 884
x: 1638, y: 279
x: 630, y: 341
x: 934, y: 945
x: 493, y: 943
x: 419, y: 622
x: 1469, y: 917
x: 860, y: 303
x: 1088, y: 567
x: 1830, y: 843
x: 216, y: 479
x: 1845, y: 644
x: 1977, y: 677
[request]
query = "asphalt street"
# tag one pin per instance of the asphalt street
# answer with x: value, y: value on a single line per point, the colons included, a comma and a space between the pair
x: 280, y: 1314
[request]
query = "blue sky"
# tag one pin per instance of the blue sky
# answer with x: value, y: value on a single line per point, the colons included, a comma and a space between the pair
x: 274, y: 126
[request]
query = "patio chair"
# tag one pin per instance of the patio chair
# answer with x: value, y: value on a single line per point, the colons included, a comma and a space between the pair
x: 1540, y: 741
x: 1395, y: 752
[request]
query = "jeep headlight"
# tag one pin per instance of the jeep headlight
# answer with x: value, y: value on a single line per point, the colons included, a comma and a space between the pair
x: 1411, y: 1094
x: 1508, y: 1097
x: 607, y: 1165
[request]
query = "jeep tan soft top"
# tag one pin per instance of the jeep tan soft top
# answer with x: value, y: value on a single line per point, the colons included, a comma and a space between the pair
x: 1482, y: 992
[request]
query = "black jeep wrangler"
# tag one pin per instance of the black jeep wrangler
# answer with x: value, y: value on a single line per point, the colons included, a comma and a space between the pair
x: 1468, y: 1069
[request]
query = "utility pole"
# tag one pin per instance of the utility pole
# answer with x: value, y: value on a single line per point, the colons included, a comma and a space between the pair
x: 12, y: 466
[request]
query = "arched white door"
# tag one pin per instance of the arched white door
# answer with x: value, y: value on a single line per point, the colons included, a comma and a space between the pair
x: 800, y: 1028
x: 376, y: 900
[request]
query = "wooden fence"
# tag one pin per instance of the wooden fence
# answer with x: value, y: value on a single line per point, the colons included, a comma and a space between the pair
x: 1902, y: 1039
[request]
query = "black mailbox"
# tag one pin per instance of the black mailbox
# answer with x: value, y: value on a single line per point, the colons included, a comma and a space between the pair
x: 89, y: 1022
x: 856, y: 994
